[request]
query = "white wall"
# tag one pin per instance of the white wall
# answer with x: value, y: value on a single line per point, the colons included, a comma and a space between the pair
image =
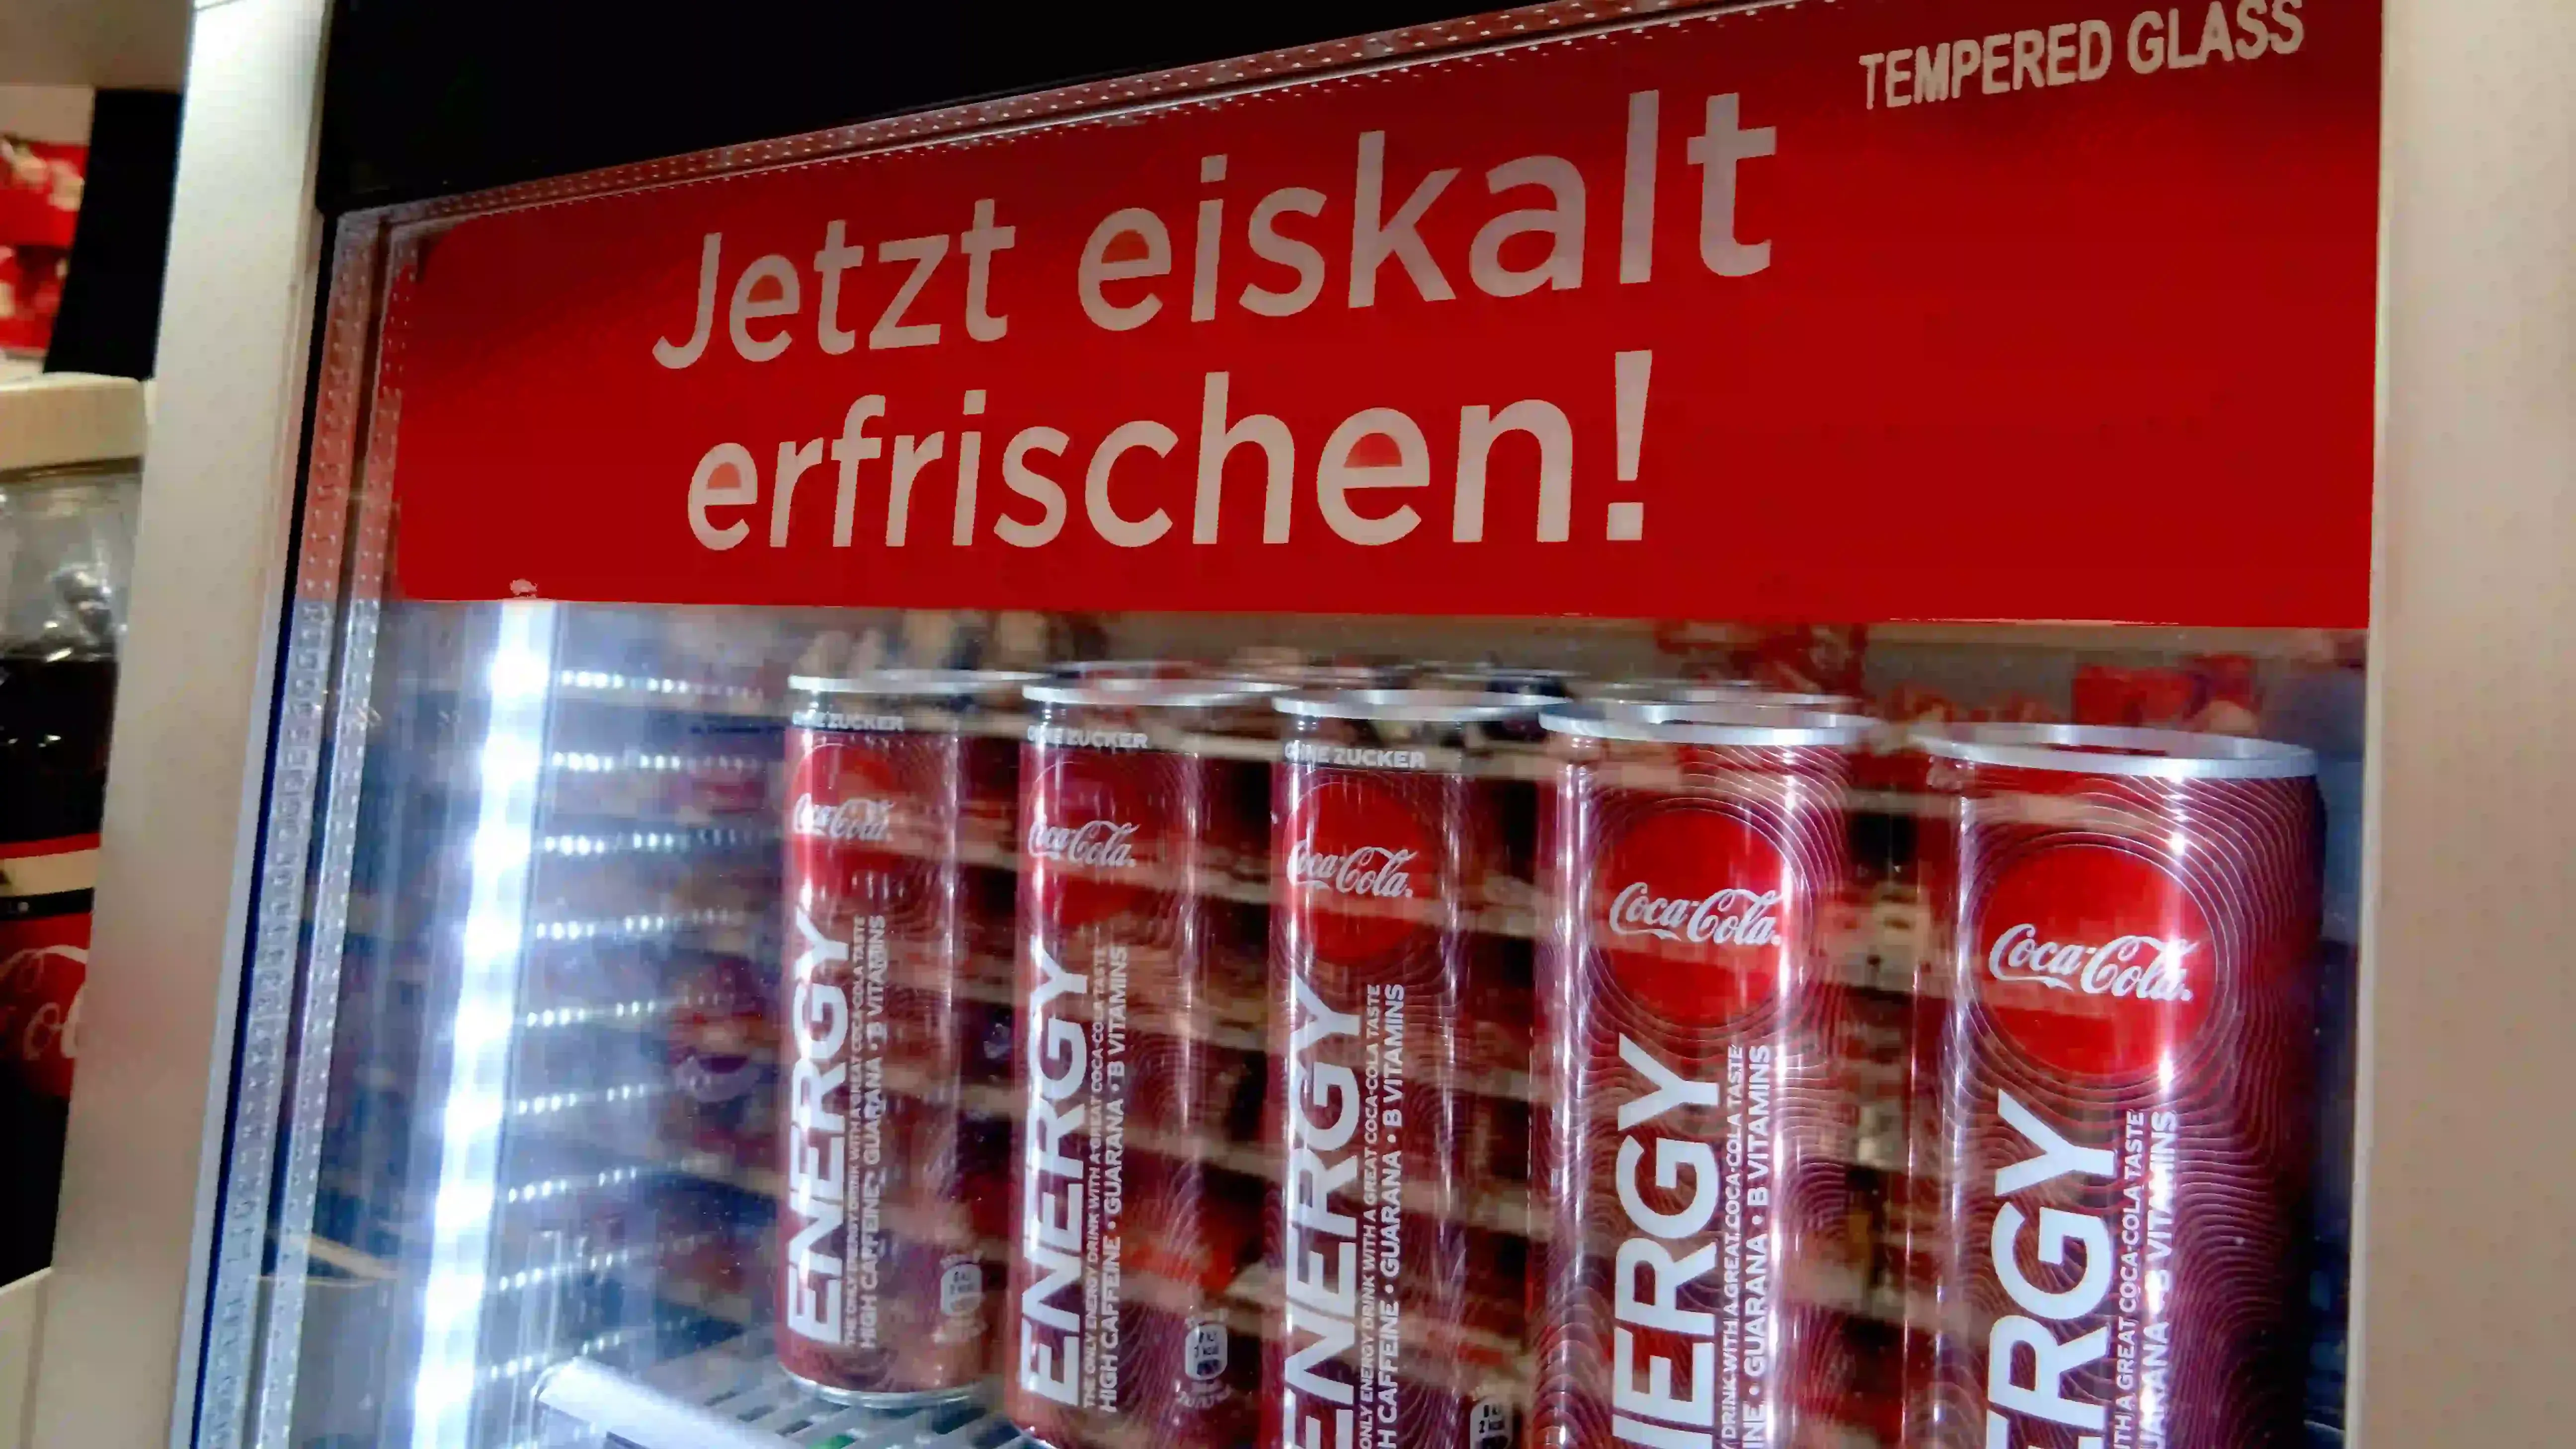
x: 141, y: 44
x: 2467, y: 1282
x: 45, y: 113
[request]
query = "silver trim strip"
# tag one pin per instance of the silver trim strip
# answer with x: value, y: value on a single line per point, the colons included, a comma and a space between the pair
x: 349, y: 378
x: 304, y: 738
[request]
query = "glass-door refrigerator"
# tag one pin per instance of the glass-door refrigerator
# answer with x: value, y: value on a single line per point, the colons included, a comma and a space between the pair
x: 1558, y: 730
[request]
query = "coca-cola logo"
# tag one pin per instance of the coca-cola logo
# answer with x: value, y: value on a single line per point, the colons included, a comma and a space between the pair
x: 43, y: 965
x: 2145, y: 968
x: 1729, y: 916
x: 1359, y: 861
x: 857, y: 819
x: 2094, y: 959
x: 1095, y: 844
x: 1379, y: 871
x: 1100, y: 834
x: 858, y: 805
x: 1695, y: 911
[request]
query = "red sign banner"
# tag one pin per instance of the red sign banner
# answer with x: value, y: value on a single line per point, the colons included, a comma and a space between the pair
x: 1864, y: 311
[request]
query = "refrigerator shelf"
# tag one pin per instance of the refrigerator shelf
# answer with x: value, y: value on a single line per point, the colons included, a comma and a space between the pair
x: 734, y: 1396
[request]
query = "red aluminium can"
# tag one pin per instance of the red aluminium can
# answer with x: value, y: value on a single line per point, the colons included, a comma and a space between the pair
x: 883, y: 1280
x: 1401, y: 906
x: 2115, y: 1051
x: 1689, y: 1008
x: 1143, y: 865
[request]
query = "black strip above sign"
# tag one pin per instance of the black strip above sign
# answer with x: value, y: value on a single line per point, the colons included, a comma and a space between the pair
x: 430, y: 97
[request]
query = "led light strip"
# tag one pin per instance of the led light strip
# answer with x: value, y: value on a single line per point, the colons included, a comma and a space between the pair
x: 612, y: 1012
x: 469, y: 1148
x: 555, y: 1187
x: 589, y: 762
x: 635, y: 926
x: 551, y: 1102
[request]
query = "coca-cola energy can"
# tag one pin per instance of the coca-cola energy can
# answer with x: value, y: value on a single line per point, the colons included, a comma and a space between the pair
x: 882, y: 1277
x: 2115, y: 1049
x: 1395, y: 884
x: 1688, y: 1010
x: 1144, y: 863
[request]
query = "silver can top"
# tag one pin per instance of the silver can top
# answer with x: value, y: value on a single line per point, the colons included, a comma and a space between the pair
x: 2113, y: 750
x: 1411, y: 706
x: 1736, y: 725
x: 915, y: 683
x: 1151, y: 693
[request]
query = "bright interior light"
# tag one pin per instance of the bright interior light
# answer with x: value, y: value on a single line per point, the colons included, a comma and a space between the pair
x: 519, y: 674
x: 478, y: 1065
x: 500, y: 852
x: 481, y: 1023
x: 445, y: 1390
x: 509, y: 760
x: 452, y: 1298
x: 491, y: 936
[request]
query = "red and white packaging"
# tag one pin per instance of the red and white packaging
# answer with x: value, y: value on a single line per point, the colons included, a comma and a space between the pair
x: 44, y: 960
x: 44, y: 965
x: 1689, y: 1010
x: 1142, y: 865
x: 2114, y: 1051
x: 884, y: 1275
x: 1394, y: 880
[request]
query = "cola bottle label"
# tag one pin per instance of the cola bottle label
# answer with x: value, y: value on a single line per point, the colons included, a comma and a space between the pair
x: 44, y: 959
